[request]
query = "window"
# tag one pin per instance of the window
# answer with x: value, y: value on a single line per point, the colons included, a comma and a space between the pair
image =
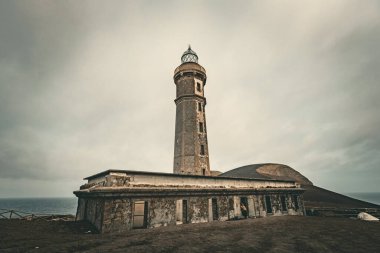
x: 202, y: 149
x: 201, y: 127
x: 204, y: 172
x: 199, y: 106
x: 198, y: 87
x: 283, y: 204
x: 140, y: 213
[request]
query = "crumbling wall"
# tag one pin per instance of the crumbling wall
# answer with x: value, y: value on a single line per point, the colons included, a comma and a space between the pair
x: 261, y: 206
x: 237, y: 210
x: 117, y: 215
x: 231, y: 208
x: 94, y: 212
x: 162, y: 212
x: 256, y: 203
x: 81, y: 209
x: 198, y: 209
x: 223, y: 208
x: 251, y: 207
x: 276, y: 204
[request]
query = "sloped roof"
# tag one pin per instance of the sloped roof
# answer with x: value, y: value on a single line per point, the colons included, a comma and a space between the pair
x: 268, y: 171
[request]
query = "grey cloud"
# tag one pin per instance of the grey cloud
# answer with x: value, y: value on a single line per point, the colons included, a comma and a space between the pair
x: 88, y: 86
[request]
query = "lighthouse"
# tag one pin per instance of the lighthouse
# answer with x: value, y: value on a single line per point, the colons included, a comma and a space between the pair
x: 191, y: 154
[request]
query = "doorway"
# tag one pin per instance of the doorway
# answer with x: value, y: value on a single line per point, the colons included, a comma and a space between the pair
x: 215, y: 214
x: 244, y: 206
x: 268, y: 204
x: 184, y: 211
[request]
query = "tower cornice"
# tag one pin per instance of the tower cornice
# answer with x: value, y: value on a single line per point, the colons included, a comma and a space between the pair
x: 190, y: 96
x: 190, y: 68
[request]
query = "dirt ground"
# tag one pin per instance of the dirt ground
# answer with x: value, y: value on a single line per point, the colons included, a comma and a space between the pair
x: 271, y: 234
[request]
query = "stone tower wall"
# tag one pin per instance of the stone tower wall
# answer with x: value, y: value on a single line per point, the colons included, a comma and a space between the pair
x: 190, y: 128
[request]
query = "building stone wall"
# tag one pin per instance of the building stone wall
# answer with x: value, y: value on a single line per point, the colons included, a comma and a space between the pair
x: 116, y: 214
x: 94, y: 211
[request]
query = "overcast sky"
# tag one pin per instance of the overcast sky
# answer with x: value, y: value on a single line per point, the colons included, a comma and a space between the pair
x: 87, y: 86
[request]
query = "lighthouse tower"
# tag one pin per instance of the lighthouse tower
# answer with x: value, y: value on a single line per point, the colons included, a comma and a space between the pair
x: 190, y: 145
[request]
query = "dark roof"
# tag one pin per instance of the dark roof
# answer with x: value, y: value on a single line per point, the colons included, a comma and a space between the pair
x: 247, y: 171
x: 103, y: 173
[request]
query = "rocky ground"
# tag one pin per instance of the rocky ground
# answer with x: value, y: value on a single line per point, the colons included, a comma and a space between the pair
x: 271, y: 234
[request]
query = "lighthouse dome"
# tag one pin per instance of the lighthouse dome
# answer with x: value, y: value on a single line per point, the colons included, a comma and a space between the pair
x: 189, y: 56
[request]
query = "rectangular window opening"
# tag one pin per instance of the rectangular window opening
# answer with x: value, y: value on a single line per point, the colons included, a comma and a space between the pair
x: 199, y: 106
x: 202, y: 149
x: 268, y: 204
x: 198, y: 87
x: 201, y: 127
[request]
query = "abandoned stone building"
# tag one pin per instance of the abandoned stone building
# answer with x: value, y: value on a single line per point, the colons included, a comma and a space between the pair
x: 120, y: 200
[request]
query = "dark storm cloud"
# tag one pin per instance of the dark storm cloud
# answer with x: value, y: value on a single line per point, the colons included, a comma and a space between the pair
x: 87, y: 86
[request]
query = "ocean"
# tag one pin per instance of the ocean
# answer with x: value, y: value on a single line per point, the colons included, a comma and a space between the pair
x: 372, y: 197
x: 40, y: 205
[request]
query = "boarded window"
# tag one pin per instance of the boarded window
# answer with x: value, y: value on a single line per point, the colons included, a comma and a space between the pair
x: 201, y: 127
x: 215, y: 214
x: 268, y: 204
x: 198, y: 87
x: 283, y: 203
x: 140, y: 213
x: 202, y: 149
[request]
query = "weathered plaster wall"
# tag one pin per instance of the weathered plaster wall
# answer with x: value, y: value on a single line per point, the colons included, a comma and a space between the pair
x: 81, y: 209
x: 198, y: 209
x: 163, y: 180
x: 162, y: 212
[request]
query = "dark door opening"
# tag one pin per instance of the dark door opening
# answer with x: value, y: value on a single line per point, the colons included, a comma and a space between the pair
x: 215, y: 214
x: 268, y: 204
x: 283, y: 204
x: 140, y: 214
x: 244, y: 206
x: 184, y: 211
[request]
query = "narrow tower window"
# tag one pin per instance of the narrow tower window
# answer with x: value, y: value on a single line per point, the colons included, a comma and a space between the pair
x: 202, y: 149
x: 198, y: 87
x: 201, y: 127
x: 199, y: 106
